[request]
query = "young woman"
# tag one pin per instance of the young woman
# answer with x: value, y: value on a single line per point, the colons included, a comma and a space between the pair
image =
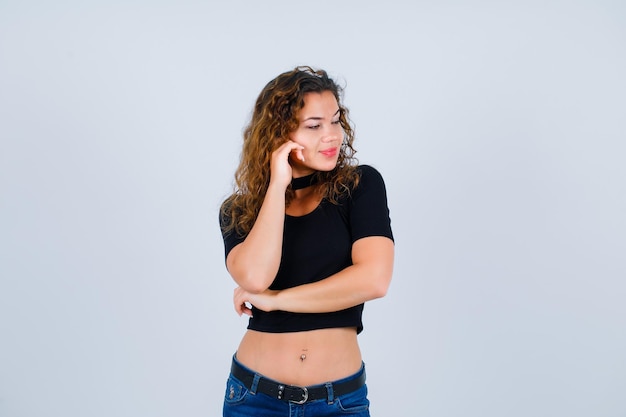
x: 308, y: 241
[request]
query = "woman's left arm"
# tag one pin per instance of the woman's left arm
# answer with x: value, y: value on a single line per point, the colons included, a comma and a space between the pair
x: 366, y: 279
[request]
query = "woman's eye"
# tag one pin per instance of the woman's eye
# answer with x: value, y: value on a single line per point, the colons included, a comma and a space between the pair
x: 336, y: 122
x: 313, y: 127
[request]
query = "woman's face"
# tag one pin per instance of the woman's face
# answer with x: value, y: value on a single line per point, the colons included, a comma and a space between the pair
x: 319, y: 132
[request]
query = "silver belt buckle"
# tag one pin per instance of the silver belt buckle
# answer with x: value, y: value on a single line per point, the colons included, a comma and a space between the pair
x: 305, y: 396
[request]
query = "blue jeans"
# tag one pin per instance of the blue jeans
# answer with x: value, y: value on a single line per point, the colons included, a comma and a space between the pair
x: 240, y: 401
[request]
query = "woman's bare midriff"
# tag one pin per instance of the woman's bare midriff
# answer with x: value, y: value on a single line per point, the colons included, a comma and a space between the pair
x: 302, y: 358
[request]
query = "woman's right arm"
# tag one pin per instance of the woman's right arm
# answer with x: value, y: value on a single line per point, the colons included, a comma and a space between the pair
x: 253, y: 263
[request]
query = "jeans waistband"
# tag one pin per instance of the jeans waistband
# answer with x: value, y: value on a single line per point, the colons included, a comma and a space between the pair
x: 256, y: 382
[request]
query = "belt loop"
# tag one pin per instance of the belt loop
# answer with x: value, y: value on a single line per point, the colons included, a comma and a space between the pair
x: 330, y: 393
x: 255, y: 383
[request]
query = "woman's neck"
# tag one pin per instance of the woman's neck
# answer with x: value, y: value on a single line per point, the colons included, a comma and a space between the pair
x: 304, y: 182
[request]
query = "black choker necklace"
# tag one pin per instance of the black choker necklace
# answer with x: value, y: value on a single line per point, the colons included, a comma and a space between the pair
x: 306, y: 181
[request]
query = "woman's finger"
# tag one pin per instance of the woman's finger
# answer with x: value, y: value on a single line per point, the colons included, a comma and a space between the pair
x: 280, y: 165
x: 298, y: 153
x: 241, y: 302
x: 245, y: 309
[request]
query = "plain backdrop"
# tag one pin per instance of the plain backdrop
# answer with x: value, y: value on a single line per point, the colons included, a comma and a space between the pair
x: 499, y: 128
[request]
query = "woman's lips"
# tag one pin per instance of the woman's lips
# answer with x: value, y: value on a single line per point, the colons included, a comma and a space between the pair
x: 329, y: 152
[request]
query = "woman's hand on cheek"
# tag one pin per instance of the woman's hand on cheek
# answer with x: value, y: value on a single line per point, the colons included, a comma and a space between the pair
x: 242, y: 300
x: 280, y: 168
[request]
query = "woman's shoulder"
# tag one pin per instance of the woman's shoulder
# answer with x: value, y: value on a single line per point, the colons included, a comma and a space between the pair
x: 368, y: 174
x: 369, y: 181
x: 367, y: 169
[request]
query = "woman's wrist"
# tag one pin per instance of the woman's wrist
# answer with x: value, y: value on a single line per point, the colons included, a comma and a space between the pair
x: 276, y: 188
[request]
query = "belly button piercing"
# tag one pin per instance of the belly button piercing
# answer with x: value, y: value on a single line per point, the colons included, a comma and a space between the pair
x: 302, y: 357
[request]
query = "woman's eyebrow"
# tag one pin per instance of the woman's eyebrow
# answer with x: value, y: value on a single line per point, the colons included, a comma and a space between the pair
x: 321, y: 118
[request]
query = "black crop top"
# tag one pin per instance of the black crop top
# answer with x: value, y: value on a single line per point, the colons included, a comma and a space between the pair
x: 319, y: 244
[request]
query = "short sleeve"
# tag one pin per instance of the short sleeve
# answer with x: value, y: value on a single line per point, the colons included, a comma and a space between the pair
x: 369, y: 213
x: 231, y: 238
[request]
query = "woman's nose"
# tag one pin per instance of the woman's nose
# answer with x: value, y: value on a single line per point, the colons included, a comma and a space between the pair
x: 332, y: 133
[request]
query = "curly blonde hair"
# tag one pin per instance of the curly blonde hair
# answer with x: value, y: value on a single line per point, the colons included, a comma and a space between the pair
x: 273, y: 119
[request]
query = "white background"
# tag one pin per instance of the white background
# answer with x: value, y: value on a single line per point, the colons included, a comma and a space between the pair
x: 499, y: 128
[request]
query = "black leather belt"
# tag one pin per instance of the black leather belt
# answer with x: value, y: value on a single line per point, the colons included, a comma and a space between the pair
x: 293, y: 393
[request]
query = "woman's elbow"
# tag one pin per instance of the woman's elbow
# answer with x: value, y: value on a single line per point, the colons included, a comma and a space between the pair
x: 251, y: 273
x: 380, y: 285
x: 381, y: 291
x: 374, y: 255
x: 254, y: 283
